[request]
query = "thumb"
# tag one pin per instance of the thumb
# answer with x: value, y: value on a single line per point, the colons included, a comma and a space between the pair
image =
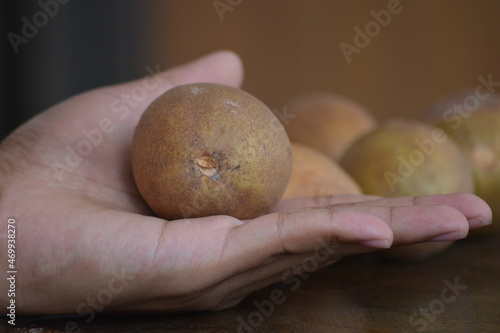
x: 223, y: 67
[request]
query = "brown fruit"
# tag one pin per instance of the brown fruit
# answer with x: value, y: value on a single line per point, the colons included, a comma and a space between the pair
x: 207, y: 149
x: 405, y: 157
x: 409, y: 158
x: 315, y: 174
x: 327, y: 122
x: 478, y: 134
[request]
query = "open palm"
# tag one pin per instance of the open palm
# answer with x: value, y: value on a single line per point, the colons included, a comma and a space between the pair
x: 88, y: 243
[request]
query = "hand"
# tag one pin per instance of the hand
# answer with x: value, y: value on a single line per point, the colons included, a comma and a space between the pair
x: 86, y: 241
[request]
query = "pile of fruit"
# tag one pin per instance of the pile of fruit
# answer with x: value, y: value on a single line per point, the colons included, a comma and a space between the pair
x: 206, y: 149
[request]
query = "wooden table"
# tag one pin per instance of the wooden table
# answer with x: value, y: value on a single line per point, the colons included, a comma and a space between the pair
x: 457, y: 291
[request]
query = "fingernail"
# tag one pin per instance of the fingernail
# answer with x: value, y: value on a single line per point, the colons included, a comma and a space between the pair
x: 378, y: 243
x: 450, y: 236
x: 478, y: 222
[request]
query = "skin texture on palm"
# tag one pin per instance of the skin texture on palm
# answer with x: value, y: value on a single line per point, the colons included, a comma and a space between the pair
x: 79, y: 235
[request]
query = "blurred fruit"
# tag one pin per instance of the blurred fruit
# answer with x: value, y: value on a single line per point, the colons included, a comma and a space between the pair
x: 478, y: 134
x: 208, y: 149
x: 461, y: 103
x: 408, y: 158
x: 315, y: 174
x: 327, y: 122
x: 404, y: 157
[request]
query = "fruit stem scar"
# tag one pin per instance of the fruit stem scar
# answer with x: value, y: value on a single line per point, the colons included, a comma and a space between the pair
x: 208, y: 166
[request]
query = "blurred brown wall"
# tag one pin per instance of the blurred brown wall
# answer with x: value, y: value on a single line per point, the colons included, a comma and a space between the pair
x: 428, y: 50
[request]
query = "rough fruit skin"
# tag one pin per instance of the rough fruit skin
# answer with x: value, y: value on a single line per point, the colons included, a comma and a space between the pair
x: 479, y: 137
x: 328, y: 123
x: 315, y: 174
x: 208, y: 149
x: 377, y: 160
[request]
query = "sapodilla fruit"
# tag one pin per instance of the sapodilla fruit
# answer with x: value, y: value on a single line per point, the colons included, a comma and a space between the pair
x: 409, y: 158
x: 207, y: 149
x: 315, y: 174
x: 478, y: 134
x: 328, y: 123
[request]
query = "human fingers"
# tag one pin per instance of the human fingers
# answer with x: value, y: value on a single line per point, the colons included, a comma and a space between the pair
x: 255, y: 242
x: 320, y: 201
x: 475, y: 209
x: 255, y: 254
x: 298, y: 232
x: 313, y: 239
x: 416, y: 224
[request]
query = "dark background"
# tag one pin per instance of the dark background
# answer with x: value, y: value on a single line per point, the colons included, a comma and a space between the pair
x: 429, y: 50
x: 85, y: 45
